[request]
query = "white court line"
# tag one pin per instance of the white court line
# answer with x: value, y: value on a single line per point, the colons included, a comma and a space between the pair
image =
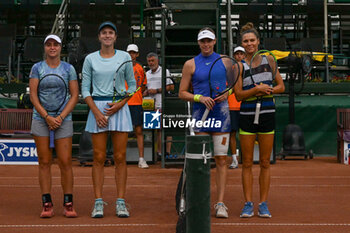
x: 77, y: 186
x: 166, y: 185
x: 79, y: 225
x: 153, y: 225
x: 137, y: 177
x: 58, y: 177
x: 281, y: 224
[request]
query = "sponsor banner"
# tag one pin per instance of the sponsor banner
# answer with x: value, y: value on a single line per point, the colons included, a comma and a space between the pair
x: 18, y: 151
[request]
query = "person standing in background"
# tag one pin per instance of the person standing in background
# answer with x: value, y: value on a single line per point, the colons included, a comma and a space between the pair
x: 234, y: 105
x: 135, y: 102
x: 154, y: 90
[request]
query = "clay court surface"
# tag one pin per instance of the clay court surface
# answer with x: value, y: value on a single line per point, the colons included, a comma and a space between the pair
x: 305, y: 196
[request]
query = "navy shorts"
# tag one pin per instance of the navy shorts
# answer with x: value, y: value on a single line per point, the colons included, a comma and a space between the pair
x: 136, y: 112
x: 234, y: 120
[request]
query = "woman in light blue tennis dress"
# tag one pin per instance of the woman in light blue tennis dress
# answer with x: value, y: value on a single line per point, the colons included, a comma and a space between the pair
x: 106, y: 116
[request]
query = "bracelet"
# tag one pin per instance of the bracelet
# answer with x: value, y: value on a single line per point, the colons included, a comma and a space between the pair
x: 230, y: 92
x: 196, y: 98
x: 46, y: 116
x: 61, y: 117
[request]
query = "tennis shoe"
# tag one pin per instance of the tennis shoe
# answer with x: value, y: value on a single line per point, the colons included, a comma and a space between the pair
x: 221, y: 210
x: 121, y: 209
x: 69, y: 211
x: 47, y: 211
x: 142, y: 163
x: 264, y: 210
x: 97, y: 212
x: 248, y: 210
x: 234, y: 163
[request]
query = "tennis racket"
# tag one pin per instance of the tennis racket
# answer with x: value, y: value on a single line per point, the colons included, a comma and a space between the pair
x: 52, y: 94
x: 119, y: 77
x: 223, y: 75
x: 263, y: 63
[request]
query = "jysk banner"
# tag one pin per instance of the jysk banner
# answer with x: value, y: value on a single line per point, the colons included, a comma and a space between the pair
x: 18, y: 151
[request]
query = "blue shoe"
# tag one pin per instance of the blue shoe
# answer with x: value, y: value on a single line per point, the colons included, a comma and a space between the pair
x: 264, y: 210
x: 121, y: 209
x: 97, y: 212
x: 248, y: 210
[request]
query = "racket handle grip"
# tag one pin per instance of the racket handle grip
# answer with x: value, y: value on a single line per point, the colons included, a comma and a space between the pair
x: 52, y: 139
x: 189, y: 114
x: 182, y: 207
x: 257, y: 113
x: 205, y: 115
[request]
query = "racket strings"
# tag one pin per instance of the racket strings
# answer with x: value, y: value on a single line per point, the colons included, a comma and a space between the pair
x: 120, y: 75
x: 223, y: 74
x: 52, y: 92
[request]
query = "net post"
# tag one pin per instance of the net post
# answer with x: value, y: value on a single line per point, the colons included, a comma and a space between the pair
x: 198, y: 153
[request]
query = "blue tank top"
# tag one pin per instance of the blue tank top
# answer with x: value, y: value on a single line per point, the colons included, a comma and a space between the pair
x: 200, y: 85
x: 200, y: 78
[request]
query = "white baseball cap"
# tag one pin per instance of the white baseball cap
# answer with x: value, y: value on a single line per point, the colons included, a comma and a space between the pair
x: 206, y: 34
x: 54, y: 37
x: 132, y: 47
x: 239, y: 48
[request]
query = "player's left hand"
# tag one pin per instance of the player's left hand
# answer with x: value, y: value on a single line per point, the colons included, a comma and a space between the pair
x: 221, y: 98
x: 53, y: 122
x: 114, y: 107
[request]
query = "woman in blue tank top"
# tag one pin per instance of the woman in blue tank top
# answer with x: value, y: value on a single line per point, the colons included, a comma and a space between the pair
x: 195, y: 74
x: 249, y: 131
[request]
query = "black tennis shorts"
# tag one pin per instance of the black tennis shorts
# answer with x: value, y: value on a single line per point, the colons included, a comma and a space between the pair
x: 266, y: 123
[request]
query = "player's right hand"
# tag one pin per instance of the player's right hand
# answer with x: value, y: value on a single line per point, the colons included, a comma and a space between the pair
x: 263, y: 89
x: 53, y: 122
x: 101, y: 120
x: 207, y: 101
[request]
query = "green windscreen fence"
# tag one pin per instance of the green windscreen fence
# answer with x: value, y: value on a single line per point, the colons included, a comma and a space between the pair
x: 317, y: 117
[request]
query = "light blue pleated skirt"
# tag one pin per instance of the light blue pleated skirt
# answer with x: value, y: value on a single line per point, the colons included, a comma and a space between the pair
x: 119, y: 121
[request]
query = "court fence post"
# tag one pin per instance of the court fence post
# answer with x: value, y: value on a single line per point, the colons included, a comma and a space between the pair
x: 198, y: 154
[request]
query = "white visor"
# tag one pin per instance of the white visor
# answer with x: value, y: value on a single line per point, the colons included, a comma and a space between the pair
x: 54, y: 37
x: 132, y: 47
x: 206, y: 34
x: 239, y: 48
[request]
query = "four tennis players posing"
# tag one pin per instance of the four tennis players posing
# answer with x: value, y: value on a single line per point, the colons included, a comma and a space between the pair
x: 110, y: 114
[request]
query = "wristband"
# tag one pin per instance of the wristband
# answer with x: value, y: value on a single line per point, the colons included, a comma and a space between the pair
x: 230, y: 92
x: 61, y: 117
x: 196, y: 98
x: 46, y: 116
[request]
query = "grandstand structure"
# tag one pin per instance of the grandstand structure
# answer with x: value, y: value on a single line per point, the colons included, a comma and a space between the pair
x: 169, y: 27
